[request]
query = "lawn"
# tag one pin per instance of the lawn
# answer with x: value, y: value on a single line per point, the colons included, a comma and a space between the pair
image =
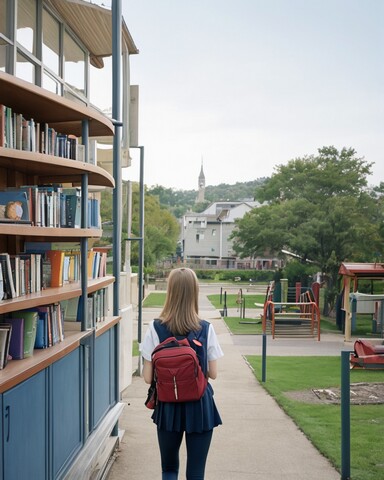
x: 244, y: 326
x: 232, y: 301
x: 154, y: 299
x: 321, y: 423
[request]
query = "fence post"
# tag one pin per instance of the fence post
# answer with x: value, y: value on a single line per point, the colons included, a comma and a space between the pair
x: 264, y: 359
x: 345, y: 417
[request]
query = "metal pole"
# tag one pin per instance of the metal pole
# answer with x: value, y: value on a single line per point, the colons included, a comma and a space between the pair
x: 264, y: 359
x: 345, y: 417
x: 141, y: 251
x: 117, y: 174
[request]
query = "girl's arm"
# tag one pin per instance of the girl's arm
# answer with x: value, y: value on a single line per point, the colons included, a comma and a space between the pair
x: 147, y: 371
x: 212, y: 369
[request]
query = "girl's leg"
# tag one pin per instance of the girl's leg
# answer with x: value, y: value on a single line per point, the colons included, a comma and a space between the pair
x: 169, y: 443
x: 197, y: 452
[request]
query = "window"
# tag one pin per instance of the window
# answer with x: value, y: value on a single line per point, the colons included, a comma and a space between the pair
x: 3, y: 17
x: 4, y: 51
x: 26, y: 24
x: 25, y: 69
x: 51, y: 84
x: 74, y: 65
x: 51, y: 43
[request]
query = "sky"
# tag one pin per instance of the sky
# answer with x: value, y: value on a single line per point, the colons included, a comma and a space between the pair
x: 246, y: 85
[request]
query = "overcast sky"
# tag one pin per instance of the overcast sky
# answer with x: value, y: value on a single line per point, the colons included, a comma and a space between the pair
x: 249, y: 84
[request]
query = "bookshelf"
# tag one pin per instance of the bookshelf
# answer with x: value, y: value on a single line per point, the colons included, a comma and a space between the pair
x: 70, y: 387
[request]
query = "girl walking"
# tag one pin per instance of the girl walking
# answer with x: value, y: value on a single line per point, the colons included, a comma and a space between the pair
x: 196, y: 419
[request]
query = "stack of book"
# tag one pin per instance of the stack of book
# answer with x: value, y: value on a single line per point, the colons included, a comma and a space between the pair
x: 24, y: 330
x: 25, y: 134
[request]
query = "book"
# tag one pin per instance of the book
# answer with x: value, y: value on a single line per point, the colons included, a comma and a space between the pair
x: 72, y: 207
x: 30, y: 325
x: 56, y: 258
x: 1, y: 283
x: 5, y: 336
x: 16, y: 347
x: 14, y: 207
x: 2, y: 125
x: 8, y: 285
x: 41, y: 340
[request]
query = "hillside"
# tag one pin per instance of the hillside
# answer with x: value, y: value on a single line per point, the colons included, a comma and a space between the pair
x: 180, y: 201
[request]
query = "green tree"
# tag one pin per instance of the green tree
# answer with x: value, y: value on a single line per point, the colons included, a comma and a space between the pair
x: 320, y: 209
x: 161, y: 229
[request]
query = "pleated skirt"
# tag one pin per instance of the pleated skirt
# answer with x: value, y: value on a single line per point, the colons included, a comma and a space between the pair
x: 191, y: 417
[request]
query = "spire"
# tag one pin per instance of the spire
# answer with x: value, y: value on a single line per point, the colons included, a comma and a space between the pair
x: 201, y: 191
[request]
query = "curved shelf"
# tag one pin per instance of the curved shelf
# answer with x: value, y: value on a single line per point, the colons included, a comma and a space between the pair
x: 44, y: 106
x: 51, y: 168
x: 17, y: 371
x: 52, y: 295
x: 51, y: 232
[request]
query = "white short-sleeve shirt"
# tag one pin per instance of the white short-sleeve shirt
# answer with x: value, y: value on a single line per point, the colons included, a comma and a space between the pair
x: 151, y: 340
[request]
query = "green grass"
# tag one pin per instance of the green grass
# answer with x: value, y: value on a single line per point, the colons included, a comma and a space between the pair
x: 321, y: 423
x: 232, y: 301
x: 135, y: 348
x: 236, y: 326
x: 154, y: 299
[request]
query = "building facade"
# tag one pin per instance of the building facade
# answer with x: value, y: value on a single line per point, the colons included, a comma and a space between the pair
x: 205, y: 238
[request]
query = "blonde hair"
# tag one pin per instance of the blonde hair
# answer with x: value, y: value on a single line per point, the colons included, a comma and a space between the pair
x: 181, y: 308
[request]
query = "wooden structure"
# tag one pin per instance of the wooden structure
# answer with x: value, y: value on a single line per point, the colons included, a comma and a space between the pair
x: 351, y: 273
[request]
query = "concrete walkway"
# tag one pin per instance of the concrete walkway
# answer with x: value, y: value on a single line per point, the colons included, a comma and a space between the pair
x: 257, y: 440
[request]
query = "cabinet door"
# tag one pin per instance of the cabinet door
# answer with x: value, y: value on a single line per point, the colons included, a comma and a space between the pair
x: 67, y: 409
x: 105, y: 373
x: 25, y: 429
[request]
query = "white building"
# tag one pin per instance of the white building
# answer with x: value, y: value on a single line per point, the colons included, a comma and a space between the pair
x: 205, y: 238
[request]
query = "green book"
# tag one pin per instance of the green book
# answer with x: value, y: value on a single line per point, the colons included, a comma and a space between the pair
x: 30, y: 326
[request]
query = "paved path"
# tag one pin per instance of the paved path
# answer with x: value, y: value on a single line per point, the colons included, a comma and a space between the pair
x: 257, y: 440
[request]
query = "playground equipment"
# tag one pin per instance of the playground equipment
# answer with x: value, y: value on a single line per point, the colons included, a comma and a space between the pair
x: 296, y: 313
x: 353, y: 302
x: 367, y: 354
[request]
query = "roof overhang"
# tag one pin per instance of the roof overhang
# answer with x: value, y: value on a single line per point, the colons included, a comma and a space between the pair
x: 362, y: 269
x: 93, y: 25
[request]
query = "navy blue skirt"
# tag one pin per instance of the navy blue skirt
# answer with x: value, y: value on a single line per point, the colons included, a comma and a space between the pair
x: 190, y: 417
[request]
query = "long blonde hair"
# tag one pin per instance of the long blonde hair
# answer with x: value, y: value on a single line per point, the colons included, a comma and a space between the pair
x: 181, y: 308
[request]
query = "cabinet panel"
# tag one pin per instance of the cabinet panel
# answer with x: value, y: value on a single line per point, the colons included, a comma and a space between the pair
x: 67, y: 411
x: 25, y: 429
x: 105, y: 373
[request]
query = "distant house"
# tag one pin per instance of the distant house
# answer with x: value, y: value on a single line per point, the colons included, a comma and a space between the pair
x: 205, y: 238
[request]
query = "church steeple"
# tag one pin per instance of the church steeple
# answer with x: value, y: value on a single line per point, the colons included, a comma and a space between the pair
x: 201, y: 191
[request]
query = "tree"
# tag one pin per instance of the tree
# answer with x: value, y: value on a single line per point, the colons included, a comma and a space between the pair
x: 161, y: 229
x: 320, y: 209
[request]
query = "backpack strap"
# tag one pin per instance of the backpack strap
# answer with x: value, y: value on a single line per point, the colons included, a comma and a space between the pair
x: 194, y: 339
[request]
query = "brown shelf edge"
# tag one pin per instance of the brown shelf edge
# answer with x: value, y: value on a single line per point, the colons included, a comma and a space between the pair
x: 52, y: 295
x: 49, y: 165
x: 106, y: 324
x: 17, y: 371
x: 29, y: 99
x: 31, y: 231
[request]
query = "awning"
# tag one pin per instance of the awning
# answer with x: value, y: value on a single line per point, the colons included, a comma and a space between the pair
x: 362, y: 269
x: 93, y: 25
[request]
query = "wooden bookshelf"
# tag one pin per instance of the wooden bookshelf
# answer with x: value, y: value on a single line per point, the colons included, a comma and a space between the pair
x: 17, y: 371
x: 44, y: 106
x: 53, y: 295
x: 53, y: 169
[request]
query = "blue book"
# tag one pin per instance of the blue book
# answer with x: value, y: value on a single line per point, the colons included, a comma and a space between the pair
x: 41, y: 340
x: 16, y: 346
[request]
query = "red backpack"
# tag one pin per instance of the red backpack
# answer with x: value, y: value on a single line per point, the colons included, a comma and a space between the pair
x: 177, y: 371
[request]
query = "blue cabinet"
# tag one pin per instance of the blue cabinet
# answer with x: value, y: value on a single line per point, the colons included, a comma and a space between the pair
x: 25, y: 429
x: 105, y: 374
x: 66, y: 380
